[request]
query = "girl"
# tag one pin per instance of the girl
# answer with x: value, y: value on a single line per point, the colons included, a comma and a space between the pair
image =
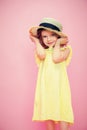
x: 52, y: 98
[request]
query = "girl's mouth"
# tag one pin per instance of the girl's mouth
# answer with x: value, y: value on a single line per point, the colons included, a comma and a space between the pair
x: 50, y: 43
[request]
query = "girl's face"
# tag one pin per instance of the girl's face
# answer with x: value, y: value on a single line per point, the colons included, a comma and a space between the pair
x: 49, y: 38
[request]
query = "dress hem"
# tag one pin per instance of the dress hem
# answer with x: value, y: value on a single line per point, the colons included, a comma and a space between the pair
x: 56, y: 121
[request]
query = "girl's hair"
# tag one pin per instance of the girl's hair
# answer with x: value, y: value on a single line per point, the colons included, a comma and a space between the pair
x: 40, y: 37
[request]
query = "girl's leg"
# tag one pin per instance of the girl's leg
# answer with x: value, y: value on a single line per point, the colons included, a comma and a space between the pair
x: 64, y: 125
x: 50, y: 125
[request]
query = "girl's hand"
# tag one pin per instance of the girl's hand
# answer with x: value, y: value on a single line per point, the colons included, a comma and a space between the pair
x: 62, y: 41
x: 34, y: 39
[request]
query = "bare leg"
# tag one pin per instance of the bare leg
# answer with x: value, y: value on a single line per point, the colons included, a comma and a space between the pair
x: 50, y: 125
x: 64, y: 125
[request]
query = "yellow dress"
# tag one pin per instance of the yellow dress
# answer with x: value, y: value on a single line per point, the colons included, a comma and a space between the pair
x: 52, y: 96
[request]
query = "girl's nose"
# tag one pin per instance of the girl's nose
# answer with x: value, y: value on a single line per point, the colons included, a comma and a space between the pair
x: 48, y: 38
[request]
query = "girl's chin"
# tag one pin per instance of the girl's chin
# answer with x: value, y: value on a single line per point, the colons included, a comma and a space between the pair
x: 49, y: 45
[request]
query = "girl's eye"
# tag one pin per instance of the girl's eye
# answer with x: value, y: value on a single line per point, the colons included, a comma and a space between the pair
x: 53, y: 34
x: 44, y: 36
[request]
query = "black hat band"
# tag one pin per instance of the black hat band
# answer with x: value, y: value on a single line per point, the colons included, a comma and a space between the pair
x: 48, y: 25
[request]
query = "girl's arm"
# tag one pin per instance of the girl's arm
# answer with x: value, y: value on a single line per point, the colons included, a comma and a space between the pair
x: 58, y: 54
x: 40, y: 51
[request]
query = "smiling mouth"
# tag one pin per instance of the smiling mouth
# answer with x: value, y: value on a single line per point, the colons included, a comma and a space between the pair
x: 50, y: 43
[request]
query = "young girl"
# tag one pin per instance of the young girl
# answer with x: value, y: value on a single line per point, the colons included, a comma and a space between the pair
x: 53, y: 54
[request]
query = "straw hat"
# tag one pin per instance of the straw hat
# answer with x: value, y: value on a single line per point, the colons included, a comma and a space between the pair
x: 49, y: 24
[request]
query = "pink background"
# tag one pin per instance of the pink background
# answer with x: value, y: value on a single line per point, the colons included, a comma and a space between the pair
x: 17, y: 65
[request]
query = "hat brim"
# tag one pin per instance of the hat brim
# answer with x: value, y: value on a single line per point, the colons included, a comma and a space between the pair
x: 33, y: 31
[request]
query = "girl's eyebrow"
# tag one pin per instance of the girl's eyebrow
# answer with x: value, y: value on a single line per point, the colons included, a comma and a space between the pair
x: 44, y: 34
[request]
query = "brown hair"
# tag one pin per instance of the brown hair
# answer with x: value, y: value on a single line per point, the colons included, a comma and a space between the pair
x: 40, y: 38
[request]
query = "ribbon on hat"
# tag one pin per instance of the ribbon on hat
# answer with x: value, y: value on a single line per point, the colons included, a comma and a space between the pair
x: 48, y: 25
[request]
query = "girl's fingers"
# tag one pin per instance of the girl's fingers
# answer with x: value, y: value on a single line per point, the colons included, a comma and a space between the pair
x: 64, y: 40
x: 34, y: 39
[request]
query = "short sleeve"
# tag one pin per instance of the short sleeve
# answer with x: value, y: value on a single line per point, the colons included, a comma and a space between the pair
x: 38, y: 61
x: 69, y: 57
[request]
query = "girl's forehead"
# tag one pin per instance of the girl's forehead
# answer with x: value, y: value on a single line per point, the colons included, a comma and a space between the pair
x: 47, y: 32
